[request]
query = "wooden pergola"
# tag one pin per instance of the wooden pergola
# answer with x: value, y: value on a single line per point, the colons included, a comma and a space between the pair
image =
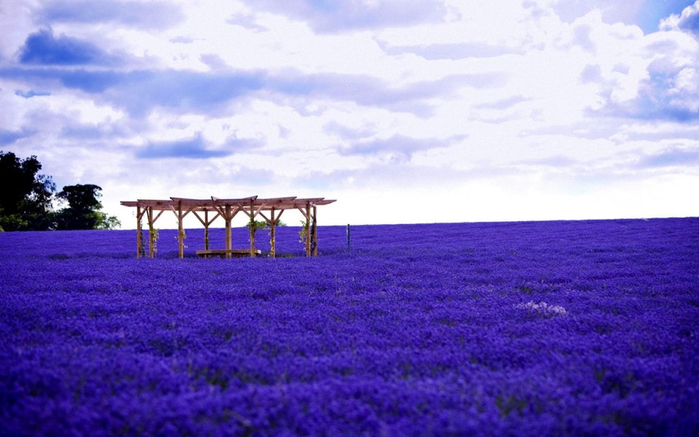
x: 208, y: 210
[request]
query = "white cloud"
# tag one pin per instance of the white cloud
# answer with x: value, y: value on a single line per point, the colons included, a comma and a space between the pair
x: 16, y: 22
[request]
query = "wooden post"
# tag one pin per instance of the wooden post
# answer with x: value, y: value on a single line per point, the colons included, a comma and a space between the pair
x: 308, y: 228
x: 272, y: 241
x: 252, y: 240
x: 180, y: 231
x: 252, y: 228
x: 206, y: 229
x: 139, y: 232
x: 229, y: 238
x: 314, y: 232
x: 151, y: 233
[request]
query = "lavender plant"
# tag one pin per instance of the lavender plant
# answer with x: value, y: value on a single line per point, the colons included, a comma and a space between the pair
x: 550, y: 328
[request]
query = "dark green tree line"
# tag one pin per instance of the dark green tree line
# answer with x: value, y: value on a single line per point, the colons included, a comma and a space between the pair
x: 27, y: 200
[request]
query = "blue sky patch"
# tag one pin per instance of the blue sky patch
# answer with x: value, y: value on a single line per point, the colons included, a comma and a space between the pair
x: 194, y: 148
x: 42, y: 48
x: 31, y: 93
x: 9, y: 136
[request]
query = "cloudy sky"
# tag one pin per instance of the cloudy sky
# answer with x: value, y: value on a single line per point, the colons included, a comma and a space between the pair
x: 403, y: 110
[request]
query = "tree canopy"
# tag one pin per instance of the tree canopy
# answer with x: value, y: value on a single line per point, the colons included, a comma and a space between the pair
x: 26, y: 196
x: 27, y: 200
x: 83, y: 211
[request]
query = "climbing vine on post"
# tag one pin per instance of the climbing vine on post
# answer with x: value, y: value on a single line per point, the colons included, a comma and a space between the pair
x: 256, y: 225
x: 183, y: 235
x: 141, y: 241
x: 153, y: 236
x: 272, y: 236
x: 312, y: 236
x: 253, y: 226
x: 302, y: 232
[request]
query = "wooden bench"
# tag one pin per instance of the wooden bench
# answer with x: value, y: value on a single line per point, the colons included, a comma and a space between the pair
x: 223, y: 252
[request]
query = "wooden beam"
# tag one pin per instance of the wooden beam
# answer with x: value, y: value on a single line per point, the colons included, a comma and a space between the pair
x: 177, y: 210
x: 309, y: 199
x: 272, y: 220
x: 217, y: 215
x: 274, y: 200
x: 232, y: 201
x: 251, y: 211
x: 325, y: 202
x: 265, y: 217
x: 203, y: 223
x: 155, y: 204
x: 221, y: 211
x: 193, y: 202
x: 157, y: 216
x: 279, y: 216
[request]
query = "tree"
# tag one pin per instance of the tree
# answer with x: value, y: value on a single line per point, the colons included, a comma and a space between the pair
x: 26, y: 200
x: 26, y: 196
x: 83, y: 211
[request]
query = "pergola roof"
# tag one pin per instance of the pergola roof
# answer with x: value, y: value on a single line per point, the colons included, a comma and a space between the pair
x: 260, y: 204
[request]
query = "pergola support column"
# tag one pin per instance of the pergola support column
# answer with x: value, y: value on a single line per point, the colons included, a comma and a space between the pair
x: 252, y: 228
x: 272, y: 229
x: 151, y: 233
x: 229, y: 237
x: 308, y: 228
x: 151, y: 230
x: 206, y: 229
x: 180, y: 214
x: 139, y: 233
x: 273, y: 237
x: 314, y: 232
x: 180, y: 233
x: 206, y: 223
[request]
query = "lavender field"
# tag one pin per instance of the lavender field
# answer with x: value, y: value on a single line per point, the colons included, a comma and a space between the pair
x: 540, y: 328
